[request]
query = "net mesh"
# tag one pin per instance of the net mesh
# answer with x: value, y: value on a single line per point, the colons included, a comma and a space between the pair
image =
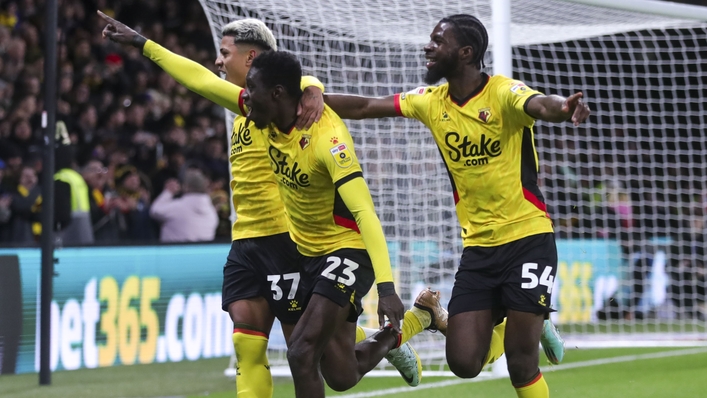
x: 626, y: 190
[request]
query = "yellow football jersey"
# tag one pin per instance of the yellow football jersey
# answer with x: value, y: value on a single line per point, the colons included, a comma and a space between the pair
x: 487, y: 144
x: 309, y: 166
x: 256, y: 200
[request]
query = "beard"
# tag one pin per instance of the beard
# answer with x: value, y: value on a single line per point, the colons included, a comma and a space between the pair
x: 434, y: 75
x: 441, y: 69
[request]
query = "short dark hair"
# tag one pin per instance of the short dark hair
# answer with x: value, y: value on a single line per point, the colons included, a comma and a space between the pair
x: 469, y: 31
x: 280, y: 68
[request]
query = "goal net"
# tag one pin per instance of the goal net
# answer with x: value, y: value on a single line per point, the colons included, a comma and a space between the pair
x: 626, y: 190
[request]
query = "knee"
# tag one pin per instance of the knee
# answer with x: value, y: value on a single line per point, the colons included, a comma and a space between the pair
x: 300, y: 356
x: 338, y: 381
x: 465, y: 368
x: 522, y: 367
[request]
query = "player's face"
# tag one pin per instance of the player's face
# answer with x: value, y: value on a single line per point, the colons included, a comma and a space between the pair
x: 233, y: 61
x: 259, y: 100
x: 442, y: 53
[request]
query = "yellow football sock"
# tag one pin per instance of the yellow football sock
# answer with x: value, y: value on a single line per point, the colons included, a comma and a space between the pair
x: 253, y: 378
x: 496, y: 349
x: 537, y: 388
x: 364, y: 333
x: 415, y: 321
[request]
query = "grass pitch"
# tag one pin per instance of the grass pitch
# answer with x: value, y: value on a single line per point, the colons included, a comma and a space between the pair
x: 619, y: 373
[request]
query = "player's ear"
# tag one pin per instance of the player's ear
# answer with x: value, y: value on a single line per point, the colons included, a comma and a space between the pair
x: 465, y: 54
x: 250, y: 57
x: 278, y: 92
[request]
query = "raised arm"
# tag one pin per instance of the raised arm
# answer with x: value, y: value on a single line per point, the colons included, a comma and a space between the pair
x: 357, y: 107
x: 186, y: 72
x: 554, y: 108
x: 355, y: 194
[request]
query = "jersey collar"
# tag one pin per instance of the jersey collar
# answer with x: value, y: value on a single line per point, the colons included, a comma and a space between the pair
x: 287, y: 131
x: 461, y: 102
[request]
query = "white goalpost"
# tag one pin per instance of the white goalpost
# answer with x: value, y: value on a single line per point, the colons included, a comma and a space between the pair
x: 627, y: 191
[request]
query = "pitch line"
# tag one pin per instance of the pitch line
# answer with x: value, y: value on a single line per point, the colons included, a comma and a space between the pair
x: 544, y: 369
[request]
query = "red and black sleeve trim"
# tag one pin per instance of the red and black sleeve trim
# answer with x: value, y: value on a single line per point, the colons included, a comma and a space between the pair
x: 342, y: 215
x: 348, y: 178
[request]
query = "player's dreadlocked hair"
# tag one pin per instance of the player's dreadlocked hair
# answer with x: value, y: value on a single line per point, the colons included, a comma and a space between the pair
x: 469, y: 31
x: 280, y: 68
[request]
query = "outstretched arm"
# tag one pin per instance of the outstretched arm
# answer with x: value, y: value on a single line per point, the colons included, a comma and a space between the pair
x: 554, y: 108
x: 186, y: 72
x: 357, y: 107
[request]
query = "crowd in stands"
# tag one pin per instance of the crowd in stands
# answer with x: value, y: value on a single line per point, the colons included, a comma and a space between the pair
x: 146, y: 147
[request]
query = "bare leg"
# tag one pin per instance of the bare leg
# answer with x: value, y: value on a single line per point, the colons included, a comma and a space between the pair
x: 254, y: 312
x: 342, y: 374
x: 523, y: 331
x: 315, y: 329
x: 468, y: 341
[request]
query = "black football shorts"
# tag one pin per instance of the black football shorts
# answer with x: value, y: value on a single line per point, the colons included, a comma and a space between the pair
x: 518, y: 276
x: 266, y: 267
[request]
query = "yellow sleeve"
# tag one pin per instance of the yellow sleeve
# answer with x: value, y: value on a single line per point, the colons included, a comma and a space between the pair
x: 197, y: 78
x: 414, y: 104
x: 357, y: 198
x: 335, y: 150
x: 513, y: 96
x: 311, y: 81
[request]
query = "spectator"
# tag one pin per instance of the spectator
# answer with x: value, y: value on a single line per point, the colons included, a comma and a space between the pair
x: 22, y: 137
x: 15, y: 59
x: 190, y: 218
x: 72, y: 185
x: 174, y: 169
x: 134, y: 204
x: 222, y: 204
x: 5, y: 213
x: 8, y: 15
x: 25, y: 224
x: 13, y: 165
x: 103, y: 203
x: 215, y: 159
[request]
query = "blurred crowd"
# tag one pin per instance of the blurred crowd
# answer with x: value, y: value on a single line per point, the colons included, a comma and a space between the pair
x: 144, y: 146
x: 650, y: 197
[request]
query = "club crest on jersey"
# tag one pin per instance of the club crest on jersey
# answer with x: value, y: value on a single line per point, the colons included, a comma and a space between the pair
x: 334, y: 140
x: 342, y: 156
x: 485, y: 114
x: 304, y: 141
x: 519, y: 88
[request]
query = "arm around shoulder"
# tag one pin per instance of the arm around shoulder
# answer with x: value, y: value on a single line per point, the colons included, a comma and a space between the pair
x: 358, y: 107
